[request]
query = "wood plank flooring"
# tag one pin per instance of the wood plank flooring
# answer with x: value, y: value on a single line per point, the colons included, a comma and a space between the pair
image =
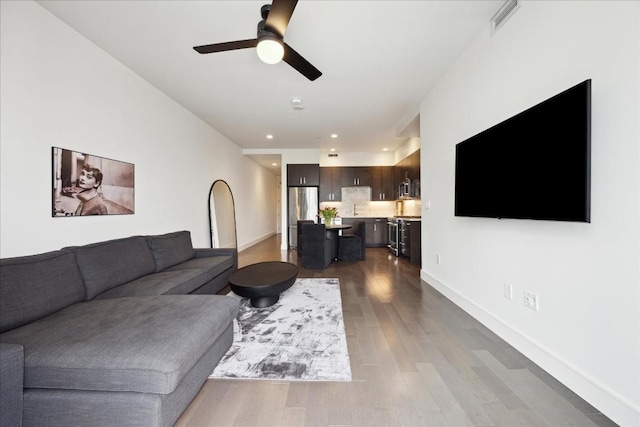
x: 416, y: 360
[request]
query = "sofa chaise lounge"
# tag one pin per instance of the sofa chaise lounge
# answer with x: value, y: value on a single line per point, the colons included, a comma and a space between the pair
x: 113, y: 333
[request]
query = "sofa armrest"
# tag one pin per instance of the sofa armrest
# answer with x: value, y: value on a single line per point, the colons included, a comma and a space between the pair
x: 206, y: 252
x: 11, y: 384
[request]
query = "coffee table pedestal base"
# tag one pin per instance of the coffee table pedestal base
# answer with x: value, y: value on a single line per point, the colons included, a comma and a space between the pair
x: 264, y: 301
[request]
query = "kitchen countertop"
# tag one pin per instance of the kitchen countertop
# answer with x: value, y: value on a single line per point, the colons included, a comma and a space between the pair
x: 362, y: 217
x: 406, y: 218
x: 409, y: 218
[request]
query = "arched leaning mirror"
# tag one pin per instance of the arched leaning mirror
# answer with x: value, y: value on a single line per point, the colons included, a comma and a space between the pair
x: 222, y: 216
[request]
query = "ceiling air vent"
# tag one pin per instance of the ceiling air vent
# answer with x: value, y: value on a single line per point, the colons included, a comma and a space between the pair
x: 503, y: 14
x: 333, y: 155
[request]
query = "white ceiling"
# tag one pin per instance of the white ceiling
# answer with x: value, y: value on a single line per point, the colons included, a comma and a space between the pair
x: 378, y: 59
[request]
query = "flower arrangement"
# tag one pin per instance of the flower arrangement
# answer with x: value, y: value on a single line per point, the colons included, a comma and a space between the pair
x: 328, y: 214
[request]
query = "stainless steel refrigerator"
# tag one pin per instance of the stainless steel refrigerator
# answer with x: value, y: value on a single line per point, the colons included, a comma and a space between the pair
x: 303, y: 204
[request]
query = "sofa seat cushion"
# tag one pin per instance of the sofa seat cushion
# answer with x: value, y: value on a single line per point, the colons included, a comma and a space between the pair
x: 178, y: 282
x: 214, y: 265
x: 137, y: 344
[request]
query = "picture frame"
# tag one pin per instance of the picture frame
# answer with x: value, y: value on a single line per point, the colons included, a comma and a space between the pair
x: 86, y: 185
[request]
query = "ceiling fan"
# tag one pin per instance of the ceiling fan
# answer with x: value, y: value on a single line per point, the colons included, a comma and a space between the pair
x: 270, y: 40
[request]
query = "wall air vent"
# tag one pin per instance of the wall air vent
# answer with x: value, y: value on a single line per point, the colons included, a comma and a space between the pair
x: 504, y: 14
x: 333, y: 155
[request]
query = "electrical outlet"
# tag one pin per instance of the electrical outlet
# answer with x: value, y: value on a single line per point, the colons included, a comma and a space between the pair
x: 531, y: 301
x: 508, y: 291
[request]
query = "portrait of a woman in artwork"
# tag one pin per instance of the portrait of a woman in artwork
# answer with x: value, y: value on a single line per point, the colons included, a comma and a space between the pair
x: 85, y: 184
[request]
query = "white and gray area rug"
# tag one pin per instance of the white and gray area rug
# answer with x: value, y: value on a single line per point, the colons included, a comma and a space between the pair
x: 299, y: 338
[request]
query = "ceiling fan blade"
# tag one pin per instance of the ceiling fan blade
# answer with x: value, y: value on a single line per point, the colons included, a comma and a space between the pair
x: 221, y: 47
x: 279, y: 16
x: 303, y: 66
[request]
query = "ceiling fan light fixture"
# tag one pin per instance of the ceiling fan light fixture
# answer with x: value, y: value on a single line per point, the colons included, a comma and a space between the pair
x: 270, y: 49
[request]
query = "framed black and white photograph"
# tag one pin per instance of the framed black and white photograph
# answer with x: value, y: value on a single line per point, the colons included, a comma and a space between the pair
x: 86, y: 184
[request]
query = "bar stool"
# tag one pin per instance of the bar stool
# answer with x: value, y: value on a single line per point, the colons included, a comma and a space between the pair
x: 352, y: 247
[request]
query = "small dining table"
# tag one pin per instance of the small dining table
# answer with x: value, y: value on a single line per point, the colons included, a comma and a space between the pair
x: 333, y: 235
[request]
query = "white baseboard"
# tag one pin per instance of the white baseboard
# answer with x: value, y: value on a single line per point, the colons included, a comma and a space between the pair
x: 607, y: 401
x: 255, y: 242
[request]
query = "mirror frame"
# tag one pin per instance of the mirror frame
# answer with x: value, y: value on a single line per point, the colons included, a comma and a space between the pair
x: 212, y: 215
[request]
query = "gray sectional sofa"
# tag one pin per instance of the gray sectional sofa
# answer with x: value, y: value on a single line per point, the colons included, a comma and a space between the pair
x: 122, y: 332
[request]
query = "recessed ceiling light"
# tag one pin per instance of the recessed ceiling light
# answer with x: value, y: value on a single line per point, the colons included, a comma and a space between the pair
x: 274, y: 164
x: 269, y: 136
x: 385, y: 149
x: 334, y: 135
x: 333, y: 149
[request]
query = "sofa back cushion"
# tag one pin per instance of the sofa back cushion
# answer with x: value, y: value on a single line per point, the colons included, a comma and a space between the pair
x: 32, y: 287
x: 171, y: 249
x: 105, y: 265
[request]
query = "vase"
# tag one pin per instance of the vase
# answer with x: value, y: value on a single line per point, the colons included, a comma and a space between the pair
x: 328, y: 220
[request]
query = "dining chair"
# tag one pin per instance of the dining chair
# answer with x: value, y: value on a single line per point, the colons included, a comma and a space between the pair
x: 317, y: 252
x: 299, y: 231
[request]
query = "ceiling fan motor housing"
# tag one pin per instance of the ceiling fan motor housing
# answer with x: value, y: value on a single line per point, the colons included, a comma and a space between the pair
x: 263, y: 32
x: 264, y: 11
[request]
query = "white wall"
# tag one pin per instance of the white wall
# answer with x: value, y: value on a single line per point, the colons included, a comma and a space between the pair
x: 357, y: 159
x: 587, y: 276
x: 58, y: 89
x: 406, y: 149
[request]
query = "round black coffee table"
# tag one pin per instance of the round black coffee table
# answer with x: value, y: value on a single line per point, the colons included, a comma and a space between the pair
x: 263, y: 282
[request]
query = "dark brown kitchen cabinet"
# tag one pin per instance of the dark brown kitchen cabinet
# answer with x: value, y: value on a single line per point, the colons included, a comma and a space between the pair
x: 413, y: 166
x: 330, y: 184
x: 356, y: 176
x: 303, y: 175
x: 405, y: 168
x: 399, y: 173
x: 409, y: 167
x: 375, y: 230
x: 415, y: 248
x: 379, y: 232
x: 382, y: 183
x: 414, y: 172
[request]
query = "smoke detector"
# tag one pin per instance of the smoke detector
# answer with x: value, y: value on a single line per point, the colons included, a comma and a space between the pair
x: 297, y: 104
x: 502, y: 15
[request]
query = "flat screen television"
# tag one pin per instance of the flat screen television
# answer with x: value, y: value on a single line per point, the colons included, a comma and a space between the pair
x: 534, y: 165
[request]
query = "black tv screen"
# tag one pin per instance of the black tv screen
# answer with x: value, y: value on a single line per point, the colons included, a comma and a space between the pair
x: 534, y: 165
